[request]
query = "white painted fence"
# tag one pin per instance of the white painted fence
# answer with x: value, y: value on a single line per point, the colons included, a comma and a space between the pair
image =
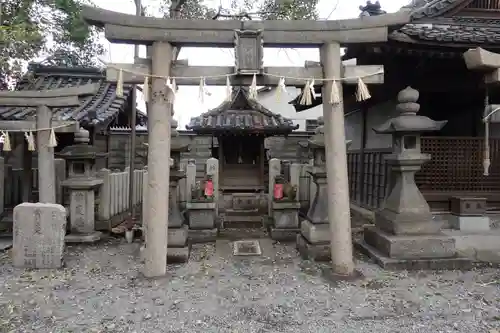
x: 114, y: 193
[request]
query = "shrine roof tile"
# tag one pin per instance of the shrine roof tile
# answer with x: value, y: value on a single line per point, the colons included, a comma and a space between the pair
x: 98, y: 109
x: 241, y: 114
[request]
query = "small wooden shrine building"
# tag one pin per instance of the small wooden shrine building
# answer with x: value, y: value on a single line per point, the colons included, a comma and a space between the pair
x: 239, y: 127
x: 96, y: 113
x: 427, y: 54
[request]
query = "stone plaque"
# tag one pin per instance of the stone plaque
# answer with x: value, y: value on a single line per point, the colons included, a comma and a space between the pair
x: 249, y: 52
x: 39, y: 230
x: 82, y: 211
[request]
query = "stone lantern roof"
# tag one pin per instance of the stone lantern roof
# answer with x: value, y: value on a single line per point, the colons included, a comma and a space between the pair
x: 408, y: 121
x: 81, y: 149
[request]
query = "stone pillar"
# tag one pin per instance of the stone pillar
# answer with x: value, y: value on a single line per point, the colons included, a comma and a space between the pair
x: 313, y: 242
x: 405, y: 236
x: 213, y: 170
x: 2, y: 184
x: 38, y: 240
x: 60, y: 168
x: 46, y: 165
x: 82, y: 182
x: 178, y: 247
x: 274, y: 170
x: 336, y: 165
x: 159, y: 114
x: 190, y: 178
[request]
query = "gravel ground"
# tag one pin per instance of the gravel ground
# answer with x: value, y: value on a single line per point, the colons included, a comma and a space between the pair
x: 101, y: 290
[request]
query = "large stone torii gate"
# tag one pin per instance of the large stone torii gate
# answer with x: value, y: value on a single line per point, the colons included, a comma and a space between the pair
x: 247, y: 37
x: 43, y: 101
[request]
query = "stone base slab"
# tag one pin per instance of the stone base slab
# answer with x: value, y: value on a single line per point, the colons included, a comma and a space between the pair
x: 315, y: 252
x: 410, y: 246
x: 283, y: 235
x: 178, y: 237
x: 315, y: 233
x: 469, y: 223
x: 83, y: 238
x: 202, y: 236
x: 178, y: 254
x: 413, y: 264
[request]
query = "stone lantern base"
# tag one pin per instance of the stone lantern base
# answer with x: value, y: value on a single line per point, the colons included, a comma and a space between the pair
x: 313, y: 242
x: 412, y: 252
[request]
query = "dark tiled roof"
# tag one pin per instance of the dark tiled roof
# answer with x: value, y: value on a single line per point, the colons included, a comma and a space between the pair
x: 430, y: 25
x: 461, y: 35
x: 241, y: 114
x: 98, y: 109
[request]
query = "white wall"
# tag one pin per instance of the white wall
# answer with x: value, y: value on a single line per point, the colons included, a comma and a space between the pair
x: 280, y: 106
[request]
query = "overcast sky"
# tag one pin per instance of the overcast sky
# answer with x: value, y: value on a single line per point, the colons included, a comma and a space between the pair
x: 186, y: 106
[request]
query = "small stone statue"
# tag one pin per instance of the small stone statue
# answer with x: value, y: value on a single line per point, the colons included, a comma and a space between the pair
x: 197, y: 191
x: 289, y: 191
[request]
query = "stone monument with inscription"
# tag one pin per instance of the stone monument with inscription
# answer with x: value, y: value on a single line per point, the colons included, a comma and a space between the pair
x: 82, y: 182
x: 39, y: 230
x: 313, y: 241
x: 405, y: 236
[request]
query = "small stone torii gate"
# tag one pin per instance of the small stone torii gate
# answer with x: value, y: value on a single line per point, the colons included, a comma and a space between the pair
x: 43, y: 100
x: 248, y: 39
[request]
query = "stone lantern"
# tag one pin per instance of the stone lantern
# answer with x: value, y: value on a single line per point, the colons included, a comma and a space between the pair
x: 405, y: 234
x: 178, y: 248
x: 82, y: 184
x: 314, y: 239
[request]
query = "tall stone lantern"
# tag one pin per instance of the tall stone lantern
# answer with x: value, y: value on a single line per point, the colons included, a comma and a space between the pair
x: 313, y: 242
x: 82, y: 183
x: 178, y: 231
x: 405, y: 235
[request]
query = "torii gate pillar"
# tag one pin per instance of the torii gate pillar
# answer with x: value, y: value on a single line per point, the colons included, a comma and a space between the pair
x: 159, y: 120
x: 336, y: 164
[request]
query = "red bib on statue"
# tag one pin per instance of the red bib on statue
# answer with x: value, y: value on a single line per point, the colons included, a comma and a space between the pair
x: 209, y: 188
x: 278, y: 191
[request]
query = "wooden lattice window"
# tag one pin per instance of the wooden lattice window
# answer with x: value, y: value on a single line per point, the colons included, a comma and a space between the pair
x: 457, y: 165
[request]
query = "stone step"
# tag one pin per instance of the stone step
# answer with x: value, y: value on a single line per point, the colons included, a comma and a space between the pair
x: 242, y: 212
x: 242, y: 221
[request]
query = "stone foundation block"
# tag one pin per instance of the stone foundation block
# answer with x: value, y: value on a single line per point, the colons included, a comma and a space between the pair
x: 203, y: 236
x: 315, y: 233
x: 469, y: 223
x: 407, y: 224
x: 410, y: 246
x: 283, y: 235
x: 177, y: 237
x: 178, y: 254
x: 201, y: 215
x: 286, y: 214
x: 413, y: 264
x: 315, y: 252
